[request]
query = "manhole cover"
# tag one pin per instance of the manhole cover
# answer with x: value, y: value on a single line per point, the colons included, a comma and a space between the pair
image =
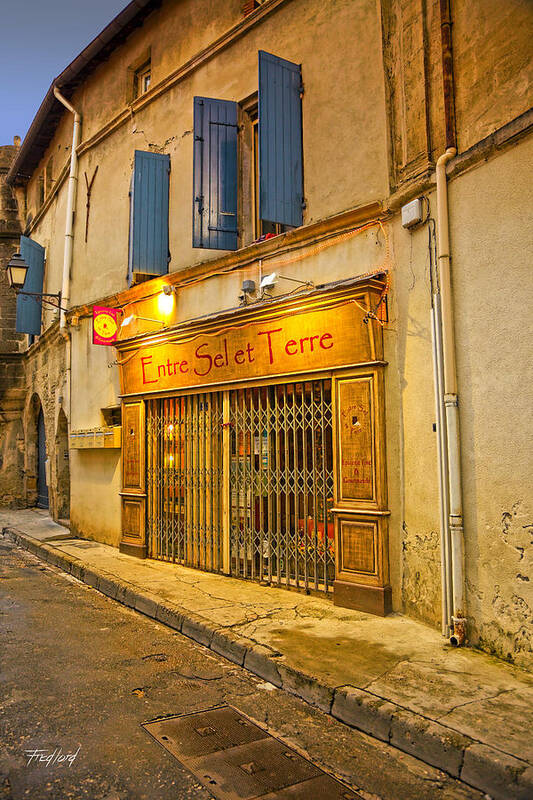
x: 236, y: 760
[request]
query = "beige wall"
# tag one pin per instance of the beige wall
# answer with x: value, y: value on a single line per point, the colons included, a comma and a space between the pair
x: 493, y: 65
x: 491, y: 238
x: 340, y: 107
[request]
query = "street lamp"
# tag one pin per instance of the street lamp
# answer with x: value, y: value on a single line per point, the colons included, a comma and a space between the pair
x: 16, y: 271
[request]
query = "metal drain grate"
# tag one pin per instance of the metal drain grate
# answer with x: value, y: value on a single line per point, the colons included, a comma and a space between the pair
x: 236, y: 760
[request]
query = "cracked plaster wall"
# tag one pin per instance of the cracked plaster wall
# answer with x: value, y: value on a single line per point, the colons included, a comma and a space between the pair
x: 492, y: 283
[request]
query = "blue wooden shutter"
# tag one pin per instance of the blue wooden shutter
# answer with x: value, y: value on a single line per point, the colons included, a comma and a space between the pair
x: 215, y: 174
x: 29, y: 308
x: 148, y: 246
x: 280, y: 140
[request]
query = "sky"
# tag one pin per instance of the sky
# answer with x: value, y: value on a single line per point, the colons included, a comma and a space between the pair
x: 39, y: 39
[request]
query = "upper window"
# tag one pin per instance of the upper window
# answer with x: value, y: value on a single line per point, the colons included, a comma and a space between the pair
x: 143, y: 77
x: 277, y: 159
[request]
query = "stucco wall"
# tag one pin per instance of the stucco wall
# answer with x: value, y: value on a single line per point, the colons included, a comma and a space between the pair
x: 493, y: 65
x: 340, y: 106
x: 95, y: 474
x: 411, y: 441
x: 491, y: 238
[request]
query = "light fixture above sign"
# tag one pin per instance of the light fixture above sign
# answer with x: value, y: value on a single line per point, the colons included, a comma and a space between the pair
x: 269, y: 281
x: 132, y: 317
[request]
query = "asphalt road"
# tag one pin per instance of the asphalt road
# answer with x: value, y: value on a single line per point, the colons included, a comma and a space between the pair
x: 79, y: 673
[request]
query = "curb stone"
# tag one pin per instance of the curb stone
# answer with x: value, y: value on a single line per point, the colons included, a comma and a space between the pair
x: 498, y: 774
x: 146, y: 604
x: 196, y: 627
x: 369, y: 713
x: 170, y: 615
x: 230, y: 645
x: 259, y: 659
x: 306, y: 687
x: 501, y: 776
x: 436, y: 745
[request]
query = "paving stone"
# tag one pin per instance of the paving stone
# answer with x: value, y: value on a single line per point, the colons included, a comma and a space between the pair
x: 365, y: 711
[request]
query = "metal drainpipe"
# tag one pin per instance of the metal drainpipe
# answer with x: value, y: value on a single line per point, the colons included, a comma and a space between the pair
x: 451, y: 405
x: 442, y: 461
x: 455, y: 536
x: 69, y: 239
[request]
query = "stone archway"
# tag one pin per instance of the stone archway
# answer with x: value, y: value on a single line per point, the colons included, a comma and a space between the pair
x: 31, y: 451
x: 62, y: 469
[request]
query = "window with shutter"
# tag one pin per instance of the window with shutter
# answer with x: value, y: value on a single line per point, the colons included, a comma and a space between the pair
x: 148, y: 242
x: 215, y: 174
x: 29, y: 308
x: 280, y: 141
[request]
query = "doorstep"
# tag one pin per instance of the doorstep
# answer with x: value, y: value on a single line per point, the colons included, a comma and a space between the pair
x: 396, y: 679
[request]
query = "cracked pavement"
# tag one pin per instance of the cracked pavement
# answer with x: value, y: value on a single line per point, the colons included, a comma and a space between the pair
x: 82, y: 671
x: 394, y: 658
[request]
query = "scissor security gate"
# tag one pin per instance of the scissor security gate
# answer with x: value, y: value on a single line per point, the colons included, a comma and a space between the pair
x: 281, y: 484
x: 278, y: 452
x: 184, y: 479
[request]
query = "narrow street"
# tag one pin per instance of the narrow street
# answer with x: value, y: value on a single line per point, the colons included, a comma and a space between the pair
x: 82, y: 673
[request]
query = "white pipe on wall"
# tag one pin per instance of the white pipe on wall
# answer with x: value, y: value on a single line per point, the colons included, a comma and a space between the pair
x: 451, y: 403
x: 69, y: 241
x: 71, y: 203
x: 442, y: 463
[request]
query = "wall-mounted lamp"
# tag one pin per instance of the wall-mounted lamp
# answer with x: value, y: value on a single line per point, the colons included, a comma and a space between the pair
x: 16, y: 271
x: 132, y: 317
x: 165, y: 301
x: 269, y: 281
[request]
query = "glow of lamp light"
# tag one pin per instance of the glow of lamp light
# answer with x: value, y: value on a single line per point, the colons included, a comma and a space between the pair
x: 165, y: 304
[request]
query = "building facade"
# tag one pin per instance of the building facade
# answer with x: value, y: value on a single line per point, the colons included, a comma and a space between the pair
x: 303, y: 390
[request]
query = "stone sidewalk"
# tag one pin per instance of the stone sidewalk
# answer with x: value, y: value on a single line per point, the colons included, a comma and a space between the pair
x: 457, y: 709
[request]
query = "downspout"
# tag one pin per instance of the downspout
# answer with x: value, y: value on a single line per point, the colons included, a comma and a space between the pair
x: 69, y: 240
x: 455, y: 519
x: 451, y: 405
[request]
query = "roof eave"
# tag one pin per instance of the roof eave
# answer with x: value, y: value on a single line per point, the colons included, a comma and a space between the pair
x: 87, y: 60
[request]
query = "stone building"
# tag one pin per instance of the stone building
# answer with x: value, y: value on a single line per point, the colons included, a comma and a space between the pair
x: 307, y: 394
x: 11, y: 347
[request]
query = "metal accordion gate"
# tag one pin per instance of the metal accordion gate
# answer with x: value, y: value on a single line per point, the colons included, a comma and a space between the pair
x: 184, y: 479
x: 282, y: 484
x: 270, y: 513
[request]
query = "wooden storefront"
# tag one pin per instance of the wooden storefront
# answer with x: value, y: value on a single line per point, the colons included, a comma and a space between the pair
x: 254, y: 445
